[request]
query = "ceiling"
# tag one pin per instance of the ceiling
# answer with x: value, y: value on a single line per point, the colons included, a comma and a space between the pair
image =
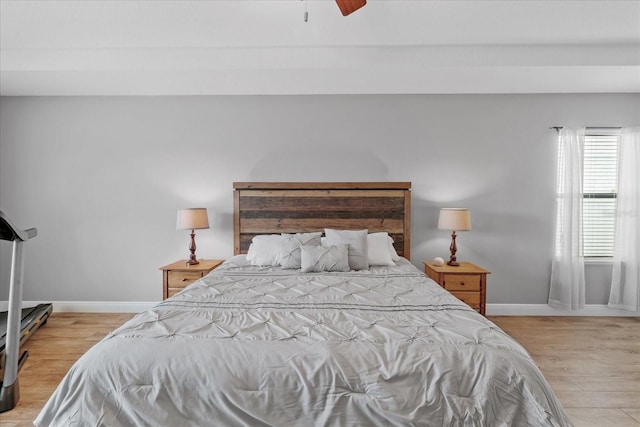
x: 235, y: 47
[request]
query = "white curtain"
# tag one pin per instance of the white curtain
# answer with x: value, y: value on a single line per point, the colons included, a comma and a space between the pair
x: 625, y: 280
x: 567, y: 286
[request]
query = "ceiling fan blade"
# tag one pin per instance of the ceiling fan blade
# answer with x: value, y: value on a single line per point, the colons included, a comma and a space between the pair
x: 350, y: 6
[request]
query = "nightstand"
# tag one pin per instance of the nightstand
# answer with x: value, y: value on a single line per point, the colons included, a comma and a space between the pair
x: 467, y: 282
x: 177, y: 276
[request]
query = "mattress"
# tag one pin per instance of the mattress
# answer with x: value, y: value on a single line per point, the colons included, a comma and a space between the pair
x: 263, y: 346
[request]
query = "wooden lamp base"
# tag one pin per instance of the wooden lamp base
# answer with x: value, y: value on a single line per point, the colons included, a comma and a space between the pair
x: 192, y: 248
x: 452, y: 259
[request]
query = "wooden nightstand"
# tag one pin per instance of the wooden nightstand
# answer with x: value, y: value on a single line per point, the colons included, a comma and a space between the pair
x: 176, y: 276
x: 467, y: 282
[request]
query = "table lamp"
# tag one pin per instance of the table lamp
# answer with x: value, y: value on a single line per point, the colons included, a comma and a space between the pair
x: 192, y: 219
x: 454, y: 219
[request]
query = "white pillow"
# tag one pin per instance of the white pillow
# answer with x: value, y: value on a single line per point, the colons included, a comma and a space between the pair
x: 357, y: 241
x: 378, y: 249
x: 315, y: 259
x: 265, y: 250
x: 291, y: 247
x: 394, y: 255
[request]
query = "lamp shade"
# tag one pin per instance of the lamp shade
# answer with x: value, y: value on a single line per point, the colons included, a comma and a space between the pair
x: 458, y: 219
x: 192, y: 219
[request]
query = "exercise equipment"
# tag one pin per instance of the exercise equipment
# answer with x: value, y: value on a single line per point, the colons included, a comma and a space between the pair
x: 10, y: 389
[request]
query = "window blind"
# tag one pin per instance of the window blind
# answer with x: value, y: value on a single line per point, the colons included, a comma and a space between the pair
x: 599, y: 186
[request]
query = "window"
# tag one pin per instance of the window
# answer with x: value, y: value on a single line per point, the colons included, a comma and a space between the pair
x: 599, y: 193
x: 600, y: 187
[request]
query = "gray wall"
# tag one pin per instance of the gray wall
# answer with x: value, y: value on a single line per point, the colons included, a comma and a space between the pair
x: 103, y: 177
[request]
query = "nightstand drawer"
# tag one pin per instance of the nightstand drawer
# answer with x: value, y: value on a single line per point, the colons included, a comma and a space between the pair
x: 180, y: 279
x: 179, y: 275
x: 472, y: 299
x: 462, y: 282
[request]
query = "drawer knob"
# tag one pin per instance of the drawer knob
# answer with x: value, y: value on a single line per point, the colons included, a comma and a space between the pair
x: 184, y: 279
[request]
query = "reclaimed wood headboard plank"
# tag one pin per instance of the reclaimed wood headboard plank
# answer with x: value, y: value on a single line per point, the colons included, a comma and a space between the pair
x: 290, y: 207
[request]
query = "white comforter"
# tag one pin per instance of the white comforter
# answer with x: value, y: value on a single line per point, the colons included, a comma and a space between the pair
x: 249, y: 346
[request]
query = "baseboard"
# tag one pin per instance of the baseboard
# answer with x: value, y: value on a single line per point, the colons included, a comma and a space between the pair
x: 594, y: 310
x: 91, y: 306
x: 492, y: 309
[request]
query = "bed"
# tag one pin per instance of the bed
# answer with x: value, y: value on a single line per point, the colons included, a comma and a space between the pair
x: 252, y: 344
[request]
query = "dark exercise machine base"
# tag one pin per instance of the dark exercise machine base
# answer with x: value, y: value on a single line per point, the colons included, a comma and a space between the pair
x: 32, y: 318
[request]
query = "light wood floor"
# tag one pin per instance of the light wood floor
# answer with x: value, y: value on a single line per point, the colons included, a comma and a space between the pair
x: 592, y: 363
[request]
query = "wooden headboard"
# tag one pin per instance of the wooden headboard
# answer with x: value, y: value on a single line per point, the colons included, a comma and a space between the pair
x: 302, y: 207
